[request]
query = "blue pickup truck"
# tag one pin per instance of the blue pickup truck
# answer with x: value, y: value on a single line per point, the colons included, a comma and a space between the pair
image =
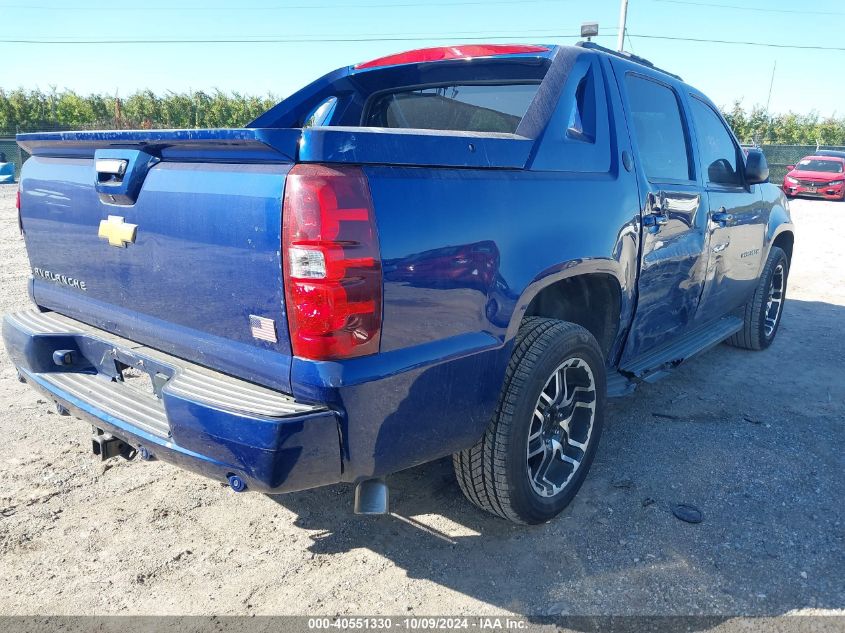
x: 454, y: 251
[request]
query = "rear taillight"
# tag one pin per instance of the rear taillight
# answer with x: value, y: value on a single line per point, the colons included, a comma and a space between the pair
x: 332, y: 265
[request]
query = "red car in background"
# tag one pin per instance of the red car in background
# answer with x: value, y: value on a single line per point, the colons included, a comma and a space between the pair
x: 816, y: 176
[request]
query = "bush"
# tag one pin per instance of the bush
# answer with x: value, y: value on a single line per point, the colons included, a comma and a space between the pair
x: 29, y: 110
x: 785, y: 129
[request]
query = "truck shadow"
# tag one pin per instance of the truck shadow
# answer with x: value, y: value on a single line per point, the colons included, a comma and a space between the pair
x: 757, y: 458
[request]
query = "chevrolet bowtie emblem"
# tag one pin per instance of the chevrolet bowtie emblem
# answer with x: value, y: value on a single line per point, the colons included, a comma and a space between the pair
x: 117, y: 232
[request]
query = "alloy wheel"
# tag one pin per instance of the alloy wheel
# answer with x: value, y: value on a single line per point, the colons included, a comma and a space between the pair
x: 561, y: 427
x: 775, y: 301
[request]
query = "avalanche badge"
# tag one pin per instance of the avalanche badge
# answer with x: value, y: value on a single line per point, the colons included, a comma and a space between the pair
x: 117, y: 232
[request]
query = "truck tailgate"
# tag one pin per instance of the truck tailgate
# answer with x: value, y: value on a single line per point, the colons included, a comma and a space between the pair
x: 200, y: 274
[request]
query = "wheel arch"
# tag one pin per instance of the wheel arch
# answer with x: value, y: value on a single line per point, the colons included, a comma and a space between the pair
x: 780, y: 230
x: 785, y: 240
x: 591, y: 296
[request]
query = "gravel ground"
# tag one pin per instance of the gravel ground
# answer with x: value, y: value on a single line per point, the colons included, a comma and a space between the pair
x: 752, y: 439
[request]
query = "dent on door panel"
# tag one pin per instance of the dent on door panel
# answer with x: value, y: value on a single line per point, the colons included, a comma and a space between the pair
x: 672, y: 273
x: 735, y: 256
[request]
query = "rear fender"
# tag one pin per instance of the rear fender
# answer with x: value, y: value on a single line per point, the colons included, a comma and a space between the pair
x: 576, y: 268
x: 780, y: 220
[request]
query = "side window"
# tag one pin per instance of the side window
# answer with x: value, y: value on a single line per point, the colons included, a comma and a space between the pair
x: 322, y: 114
x: 582, y: 118
x: 659, y: 129
x: 719, y: 154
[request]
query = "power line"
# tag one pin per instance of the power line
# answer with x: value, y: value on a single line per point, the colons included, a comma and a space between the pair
x: 630, y: 44
x: 391, y: 5
x: 717, y: 5
x: 314, y: 37
x: 275, y: 40
x: 399, y: 37
x: 381, y: 5
x: 809, y: 47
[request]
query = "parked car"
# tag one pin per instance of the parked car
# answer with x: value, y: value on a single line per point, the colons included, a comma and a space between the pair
x: 830, y: 152
x: 452, y: 251
x: 819, y: 176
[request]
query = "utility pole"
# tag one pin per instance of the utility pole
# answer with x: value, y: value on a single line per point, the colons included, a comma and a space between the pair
x: 623, y: 17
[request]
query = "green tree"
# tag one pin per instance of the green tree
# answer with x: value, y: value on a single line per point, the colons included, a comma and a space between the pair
x: 28, y: 110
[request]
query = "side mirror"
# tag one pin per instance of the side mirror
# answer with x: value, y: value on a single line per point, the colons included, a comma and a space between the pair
x: 790, y: 167
x: 756, y: 168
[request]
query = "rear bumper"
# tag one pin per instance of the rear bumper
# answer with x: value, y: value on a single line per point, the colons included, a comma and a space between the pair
x: 201, y: 420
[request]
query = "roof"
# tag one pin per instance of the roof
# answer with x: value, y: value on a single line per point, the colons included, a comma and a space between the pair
x: 627, y: 56
x: 834, y: 158
x: 828, y: 153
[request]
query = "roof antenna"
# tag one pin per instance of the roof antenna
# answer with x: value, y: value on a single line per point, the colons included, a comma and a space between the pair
x: 590, y: 30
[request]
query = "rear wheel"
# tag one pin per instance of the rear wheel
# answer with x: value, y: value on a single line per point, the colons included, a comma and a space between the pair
x: 762, y: 314
x: 541, y: 441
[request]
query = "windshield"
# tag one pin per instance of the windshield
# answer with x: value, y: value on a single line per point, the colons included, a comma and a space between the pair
x: 814, y: 164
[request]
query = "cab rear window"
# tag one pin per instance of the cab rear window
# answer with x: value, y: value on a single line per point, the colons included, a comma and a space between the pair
x: 457, y: 107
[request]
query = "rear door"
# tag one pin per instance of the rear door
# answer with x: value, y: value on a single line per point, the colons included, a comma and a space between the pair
x: 673, y: 212
x: 736, y: 217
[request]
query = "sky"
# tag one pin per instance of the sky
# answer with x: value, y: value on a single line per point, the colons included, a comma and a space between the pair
x: 284, y: 44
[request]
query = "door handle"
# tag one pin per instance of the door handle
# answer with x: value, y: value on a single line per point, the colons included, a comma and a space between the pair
x: 657, y: 214
x: 653, y: 221
x: 722, y: 217
x: 656, y: 201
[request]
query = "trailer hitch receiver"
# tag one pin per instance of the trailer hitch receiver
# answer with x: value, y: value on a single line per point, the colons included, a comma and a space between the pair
x: 105, y: 445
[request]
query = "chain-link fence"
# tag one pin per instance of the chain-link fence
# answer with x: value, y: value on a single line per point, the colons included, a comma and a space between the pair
x: 14, y: 154
x: 779, y: 156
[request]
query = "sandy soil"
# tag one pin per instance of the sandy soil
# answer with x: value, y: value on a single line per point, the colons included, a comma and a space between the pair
x: 755, y: 440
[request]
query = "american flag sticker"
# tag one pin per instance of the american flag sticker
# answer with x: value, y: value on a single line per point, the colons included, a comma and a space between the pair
x: 262, y: 329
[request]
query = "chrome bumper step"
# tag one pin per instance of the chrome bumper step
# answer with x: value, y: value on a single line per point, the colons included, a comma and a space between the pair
x: 188, y: 380
x: 114, y: 398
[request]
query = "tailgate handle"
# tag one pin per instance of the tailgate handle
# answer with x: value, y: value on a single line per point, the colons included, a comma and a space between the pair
x: 110, y: 170
x: 120, y: 173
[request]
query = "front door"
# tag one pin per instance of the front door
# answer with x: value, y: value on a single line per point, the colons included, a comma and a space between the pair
x: 674, y: 223
x: 737, y: 219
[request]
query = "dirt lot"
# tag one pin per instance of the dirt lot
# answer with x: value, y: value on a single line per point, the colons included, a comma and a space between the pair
x: 755, y: 440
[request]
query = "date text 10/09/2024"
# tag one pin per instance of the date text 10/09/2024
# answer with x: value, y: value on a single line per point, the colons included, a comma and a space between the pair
x: 413, y: 623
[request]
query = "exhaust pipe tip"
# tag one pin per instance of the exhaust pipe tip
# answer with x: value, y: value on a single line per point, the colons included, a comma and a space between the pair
x: 372, y: 497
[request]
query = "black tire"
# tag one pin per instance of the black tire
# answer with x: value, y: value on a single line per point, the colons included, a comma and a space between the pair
x: 494, y: 474
x: 756, y: 334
